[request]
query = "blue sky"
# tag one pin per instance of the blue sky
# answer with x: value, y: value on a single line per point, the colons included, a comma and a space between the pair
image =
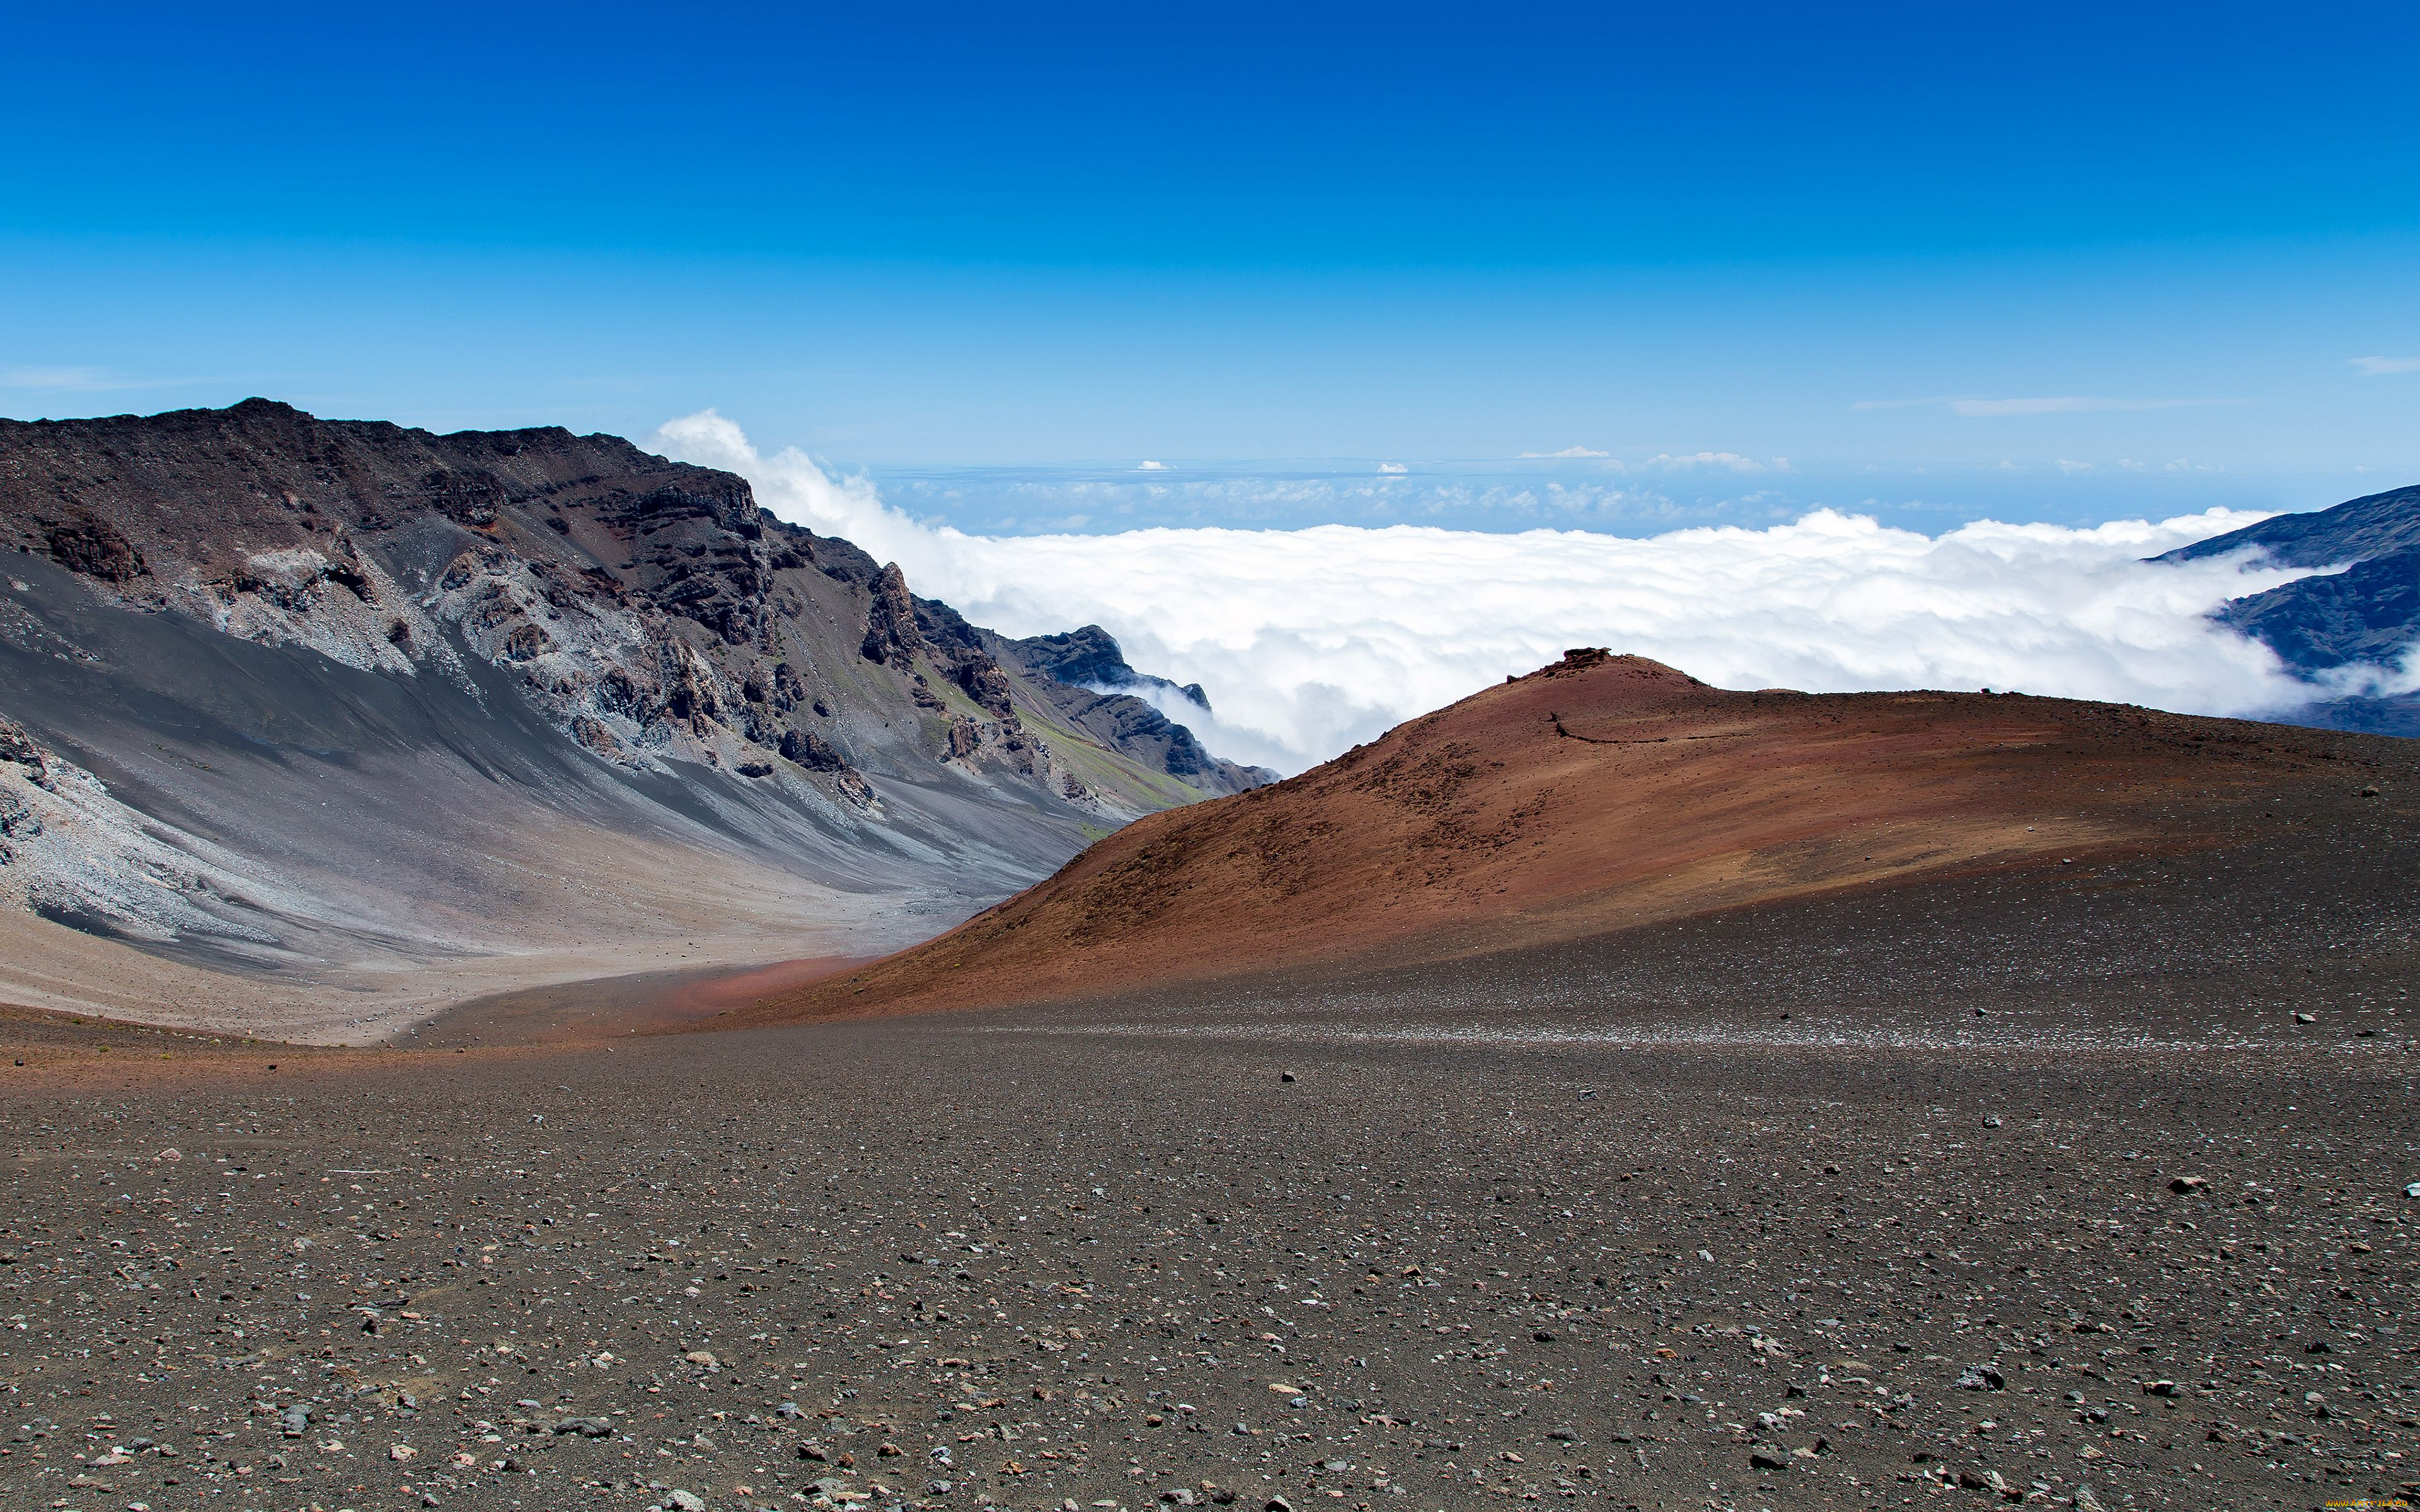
x: 2058, y: 263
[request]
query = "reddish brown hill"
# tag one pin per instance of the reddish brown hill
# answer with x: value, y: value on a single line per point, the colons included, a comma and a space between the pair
x: 1600, y: 793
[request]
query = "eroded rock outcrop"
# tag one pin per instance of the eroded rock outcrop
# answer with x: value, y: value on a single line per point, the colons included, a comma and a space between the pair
x: 647, y: 609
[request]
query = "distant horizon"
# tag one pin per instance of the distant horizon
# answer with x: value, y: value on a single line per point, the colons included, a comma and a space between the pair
x: 1581, y: 489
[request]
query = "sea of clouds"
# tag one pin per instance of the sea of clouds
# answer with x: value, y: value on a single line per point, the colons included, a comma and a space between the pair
x: 1310, y: 640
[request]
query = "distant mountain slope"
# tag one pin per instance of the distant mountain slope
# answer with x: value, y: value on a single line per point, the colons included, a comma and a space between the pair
x: 343, y: 690
x: 2369, y: 614
x: 1603, y: 794
x: 1086, y: 677
x: 2370, y: 526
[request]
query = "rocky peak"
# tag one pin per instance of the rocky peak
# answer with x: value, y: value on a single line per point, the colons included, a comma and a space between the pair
x: 648, y: 608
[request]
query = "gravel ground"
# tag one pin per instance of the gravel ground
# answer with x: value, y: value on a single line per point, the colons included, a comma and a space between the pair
x: 2136, y: 1237
x: 945, y: 1265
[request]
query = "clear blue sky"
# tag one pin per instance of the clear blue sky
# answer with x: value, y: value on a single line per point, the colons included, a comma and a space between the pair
x: 1909, y: 243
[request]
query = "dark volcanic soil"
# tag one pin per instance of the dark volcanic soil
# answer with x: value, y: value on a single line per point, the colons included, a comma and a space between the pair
x: 1598, y: 1224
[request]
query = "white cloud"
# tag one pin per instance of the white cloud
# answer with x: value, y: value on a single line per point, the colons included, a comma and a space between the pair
x: 2069, y: 465
x: 1567, y: 451
x: 1311, y: 640
x: 1392, y: 468
x: 1151, y: 466
x: 2381, y: 366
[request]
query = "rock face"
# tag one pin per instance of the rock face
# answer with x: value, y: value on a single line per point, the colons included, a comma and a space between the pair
x: 2368, y: 614
x: 1084, y: 675
x: 628, y: 640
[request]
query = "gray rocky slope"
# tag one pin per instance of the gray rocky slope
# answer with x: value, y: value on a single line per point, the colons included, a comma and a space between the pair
x: 285, y: 691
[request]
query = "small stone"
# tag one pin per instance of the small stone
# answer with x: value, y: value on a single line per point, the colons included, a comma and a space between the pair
x: 686, y: 1502
x: 1761, y: 1461
x: 2307, y: 1018
x: 2183, y: 1184
x: 2161, y: 1388
x: 587, y: 1428
x: 402, y: 1452
x: 703, y: 1357
x: 1285, y: 1075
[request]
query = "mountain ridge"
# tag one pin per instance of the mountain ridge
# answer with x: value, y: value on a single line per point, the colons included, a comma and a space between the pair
x: 255, y: 633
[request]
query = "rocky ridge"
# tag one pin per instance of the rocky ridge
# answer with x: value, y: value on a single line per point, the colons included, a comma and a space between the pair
x: 649, y: 608
x: 336, y: 686
x: 1085, y: 676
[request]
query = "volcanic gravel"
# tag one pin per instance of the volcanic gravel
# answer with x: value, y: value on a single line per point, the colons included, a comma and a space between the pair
x: 945, y: 1265
x: 1600, y: 1226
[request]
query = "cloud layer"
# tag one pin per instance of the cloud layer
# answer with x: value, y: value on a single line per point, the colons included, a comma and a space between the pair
x: 1308, y: 641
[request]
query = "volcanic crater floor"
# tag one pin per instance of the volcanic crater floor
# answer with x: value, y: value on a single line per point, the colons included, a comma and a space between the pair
x: 1598, y: 1226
